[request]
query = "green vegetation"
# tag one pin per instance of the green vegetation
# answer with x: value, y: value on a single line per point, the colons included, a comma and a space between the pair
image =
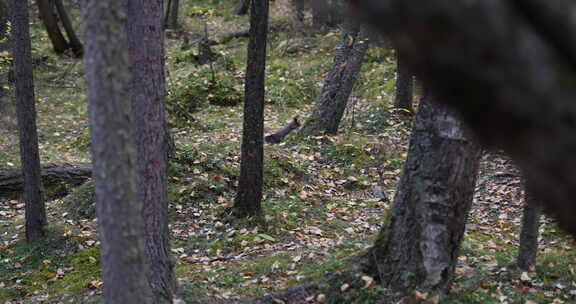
x: 320, y: 209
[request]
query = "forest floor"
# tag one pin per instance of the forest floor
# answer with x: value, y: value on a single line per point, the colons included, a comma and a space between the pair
x: 325, y: 197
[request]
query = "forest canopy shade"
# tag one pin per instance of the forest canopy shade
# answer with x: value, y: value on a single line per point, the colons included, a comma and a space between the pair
x: 509, y: 68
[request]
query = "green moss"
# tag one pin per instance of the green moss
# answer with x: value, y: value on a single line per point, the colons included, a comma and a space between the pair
x: 47, y: 266
x: 222, y: 87
x: 81, y: 203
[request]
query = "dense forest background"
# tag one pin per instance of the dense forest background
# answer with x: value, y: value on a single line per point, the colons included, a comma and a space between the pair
x: 325, y: 197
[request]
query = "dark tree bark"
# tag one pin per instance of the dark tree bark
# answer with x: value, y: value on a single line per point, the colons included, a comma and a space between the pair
x: 26, y: 113
x: 506, y: 60
x: 75, y: 44
x: 242, y: 8
x: 319, y: 13
x: 404, y: 85
x: 528, y: 249
x: 12, y: 180
x: 418, y: 249
x: 147, y: 92
x: 298, y: 6
x: 46, y: 9
x: 118, y: 206
x: 249, y: 197
x: 330, y: 106
x: 335, y: 13
x: 172, y: 8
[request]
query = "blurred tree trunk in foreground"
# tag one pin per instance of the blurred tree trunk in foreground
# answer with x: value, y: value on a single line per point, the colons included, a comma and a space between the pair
x: 508, y: 69
x: 118, y: 207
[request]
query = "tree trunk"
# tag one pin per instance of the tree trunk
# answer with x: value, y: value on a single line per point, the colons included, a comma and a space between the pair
x: 418, y: 249
x: 335, y: 13
x: 298, y: 6
x: 249, y: 197
x: 46, y: 10
x: 242, y: 8
x: 171, y: 20
x: 75, y: 44
x: 319, y: 14
x: 118, y: 207
x: 26, y: 113
x: 12, y: 180
x: 502, y: 65
x: 528, y: 249
x: 147, y: 92
x: 404, y: 85
x: 330, y: 106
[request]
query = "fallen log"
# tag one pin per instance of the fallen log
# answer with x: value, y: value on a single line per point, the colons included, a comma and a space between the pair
x: 53, y: 175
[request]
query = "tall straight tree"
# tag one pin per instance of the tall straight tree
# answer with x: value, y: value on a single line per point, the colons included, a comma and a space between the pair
x: 172, y: 8
x: 404, y: 84
x: 118, y: 206
x: 331, y: 104
x: 249, y: 197
x: 26, y: 112
x: 147, y: 93
x: 528, y: 249
x: 418, y: 248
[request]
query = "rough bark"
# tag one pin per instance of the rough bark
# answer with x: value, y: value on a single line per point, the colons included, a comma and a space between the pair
x: 118, y: 207
x: 511, y: 69
x: 330, y: 106
x: 242, y: 8
x: 46, y: 10
x: 26, y: 113
x: 249, y: 197
x: 147, y: 92
x: 528, y: 249
x: 418, y: 249
x: 75, y: 44
x: 12, y: 180
x: 172, y: 8
x: 404, y: 85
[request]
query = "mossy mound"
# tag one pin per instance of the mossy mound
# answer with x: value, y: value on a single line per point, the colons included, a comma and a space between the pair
x: 81, y: 203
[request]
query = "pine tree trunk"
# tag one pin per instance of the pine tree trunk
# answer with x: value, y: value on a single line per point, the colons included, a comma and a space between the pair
x: 418, y: 249
x: 147, y: 92
x: 404, y: 85
x: 319, y: 14
x: 75, y: 43
x: 249, y: 197
x: 171, y: 21
x: 242, y: 8
x: 528, y: 249
x: 330, y: 106
x: 46, y: 9
x: 26, y: 112
x: 118, y: 207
